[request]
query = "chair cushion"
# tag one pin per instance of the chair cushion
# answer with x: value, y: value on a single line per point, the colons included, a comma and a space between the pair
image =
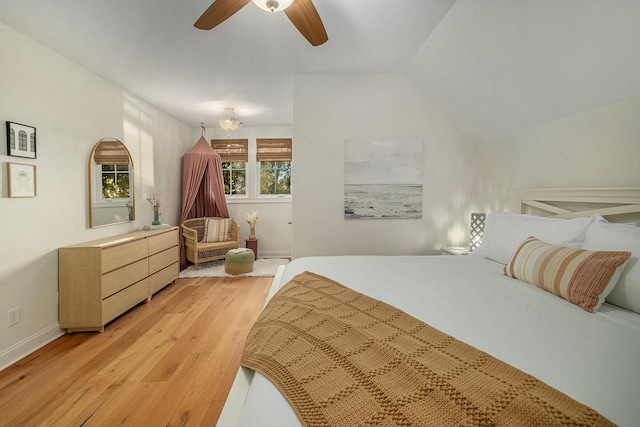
x: 217, y: 230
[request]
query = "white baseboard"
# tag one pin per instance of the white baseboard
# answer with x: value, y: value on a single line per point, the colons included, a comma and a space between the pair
x: 30, y: 344
x: 274, y: 254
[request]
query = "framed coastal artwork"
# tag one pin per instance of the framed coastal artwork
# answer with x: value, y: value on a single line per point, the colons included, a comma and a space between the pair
x: 21, y: 140
x: 22, y: 180
x: 383, y: 179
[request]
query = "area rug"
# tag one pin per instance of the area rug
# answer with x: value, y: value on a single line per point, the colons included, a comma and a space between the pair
x: 261, y: 267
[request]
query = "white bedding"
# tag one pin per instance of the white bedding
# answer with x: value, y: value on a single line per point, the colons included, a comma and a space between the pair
x: 594, y: 358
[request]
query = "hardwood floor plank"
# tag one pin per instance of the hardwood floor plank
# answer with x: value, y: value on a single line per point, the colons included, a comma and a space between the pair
x: 160, y: 410
x: 224, y: 352
x: 194, y: 405
x: 206, y: 316
x: 23, y: 369
x: 213, y: 414
x: 89, y: 358
x: 169, y: 361
x: 120, y: 408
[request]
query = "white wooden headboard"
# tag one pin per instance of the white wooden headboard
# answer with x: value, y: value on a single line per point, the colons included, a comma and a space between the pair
x: 620, y: 204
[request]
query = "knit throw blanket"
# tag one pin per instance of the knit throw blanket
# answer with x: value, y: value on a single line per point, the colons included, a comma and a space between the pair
x: 344, y: 359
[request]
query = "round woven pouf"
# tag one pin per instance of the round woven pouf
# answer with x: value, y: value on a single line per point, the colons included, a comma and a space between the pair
x: 238, y: 261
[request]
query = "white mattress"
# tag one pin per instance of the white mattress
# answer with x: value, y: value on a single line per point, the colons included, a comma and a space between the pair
x: 594, y: 358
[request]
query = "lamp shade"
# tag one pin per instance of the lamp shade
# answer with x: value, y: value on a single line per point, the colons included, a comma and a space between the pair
x: 228, y: 120
x: 273, y: 5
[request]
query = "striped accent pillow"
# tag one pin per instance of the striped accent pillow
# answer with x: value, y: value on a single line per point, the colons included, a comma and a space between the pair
x: 582, y: 277
x: 217, y: 230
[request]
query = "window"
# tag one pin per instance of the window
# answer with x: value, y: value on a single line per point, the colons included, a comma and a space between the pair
x: 234, y: 154
x: 112, y: 173
x: 275, y: 178
x: 274, y: 160
x: 249, y: 170
x: 235, y: 178
x: 114, y: 180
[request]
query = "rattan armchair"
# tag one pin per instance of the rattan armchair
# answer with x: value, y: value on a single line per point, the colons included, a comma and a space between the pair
x: 198, y: 251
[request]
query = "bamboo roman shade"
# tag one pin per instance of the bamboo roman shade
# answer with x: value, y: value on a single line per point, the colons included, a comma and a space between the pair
x: 111, y: 153
x: 231, y: 150
x: 273, y: 150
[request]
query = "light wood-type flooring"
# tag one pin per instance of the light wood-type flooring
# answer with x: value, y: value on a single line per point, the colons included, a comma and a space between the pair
x: 168, y: 362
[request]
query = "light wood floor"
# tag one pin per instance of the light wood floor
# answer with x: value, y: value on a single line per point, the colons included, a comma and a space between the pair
x: 167, y: 362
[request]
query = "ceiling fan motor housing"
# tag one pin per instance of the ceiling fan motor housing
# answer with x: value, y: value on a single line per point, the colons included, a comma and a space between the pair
x: 272, y: 5
x: 302, y: 14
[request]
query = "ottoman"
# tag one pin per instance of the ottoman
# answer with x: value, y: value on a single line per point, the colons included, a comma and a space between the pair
x: 238, y: 261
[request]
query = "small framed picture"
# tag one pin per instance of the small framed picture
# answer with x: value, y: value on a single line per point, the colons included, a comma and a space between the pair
x: 21, y: 140
x: 22, y: 180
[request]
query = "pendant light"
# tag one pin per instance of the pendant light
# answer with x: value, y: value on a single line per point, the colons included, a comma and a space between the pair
x: 228, y: 120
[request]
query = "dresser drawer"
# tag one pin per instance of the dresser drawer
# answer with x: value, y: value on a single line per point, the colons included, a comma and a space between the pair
x: 163, y: 277
x: 163, y: 241
x: 118, y: 303
x: 161, y: 260
x: 116, y: 280
x: 117, y: 256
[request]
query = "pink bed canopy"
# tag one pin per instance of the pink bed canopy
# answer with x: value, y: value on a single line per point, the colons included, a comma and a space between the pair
x: 202, y: 187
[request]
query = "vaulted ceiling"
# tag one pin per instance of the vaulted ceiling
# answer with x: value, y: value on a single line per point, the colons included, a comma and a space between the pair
x: 495, y: 67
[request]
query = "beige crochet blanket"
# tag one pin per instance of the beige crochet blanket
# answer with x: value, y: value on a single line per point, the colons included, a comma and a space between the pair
x: 344, y: 359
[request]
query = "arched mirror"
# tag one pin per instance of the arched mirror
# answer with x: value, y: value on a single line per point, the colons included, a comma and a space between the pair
x: 111, y: 198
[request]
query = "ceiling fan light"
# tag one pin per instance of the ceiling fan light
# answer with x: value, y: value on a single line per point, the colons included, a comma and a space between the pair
x: 273, y: 5
x: 228, y: 120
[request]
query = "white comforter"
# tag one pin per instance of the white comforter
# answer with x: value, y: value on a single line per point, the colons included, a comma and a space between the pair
x: 594, y: 358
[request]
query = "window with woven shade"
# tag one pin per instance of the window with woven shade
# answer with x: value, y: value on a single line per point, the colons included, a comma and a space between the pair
x: 113, y: 174
x: 231, y: 150
x: 274, y: 159
x: 111, y: 153
x: 273, y: 150
x: 234, y: 154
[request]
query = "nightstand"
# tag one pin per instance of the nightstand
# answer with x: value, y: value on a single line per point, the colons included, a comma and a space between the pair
x: 454, y: 250
x: 253, y: 245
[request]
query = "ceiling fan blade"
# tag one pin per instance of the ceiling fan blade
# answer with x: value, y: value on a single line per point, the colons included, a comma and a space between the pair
x: 218, y: 12
x: 303, y: 14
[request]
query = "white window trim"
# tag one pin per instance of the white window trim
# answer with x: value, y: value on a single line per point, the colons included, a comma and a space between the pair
x: 258, y: 200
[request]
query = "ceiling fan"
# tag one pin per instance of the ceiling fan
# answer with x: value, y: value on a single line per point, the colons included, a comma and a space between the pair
x: 301, y: 13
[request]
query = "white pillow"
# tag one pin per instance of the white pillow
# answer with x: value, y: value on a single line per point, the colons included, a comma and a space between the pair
x: 504, y: 231
x: 605, y: 236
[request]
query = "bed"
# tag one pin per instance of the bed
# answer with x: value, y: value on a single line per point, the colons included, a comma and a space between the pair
x: 590, y: 357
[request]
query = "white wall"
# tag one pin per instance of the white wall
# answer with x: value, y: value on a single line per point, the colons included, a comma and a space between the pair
x: 599, y: 148
x: 72, y: 109
x: 331, y: 109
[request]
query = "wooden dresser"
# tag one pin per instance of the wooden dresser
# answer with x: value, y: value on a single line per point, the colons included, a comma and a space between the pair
x: 101, y: 279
